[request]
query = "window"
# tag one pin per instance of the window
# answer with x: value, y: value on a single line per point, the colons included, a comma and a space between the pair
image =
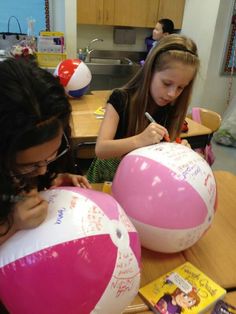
x: 24, y: 10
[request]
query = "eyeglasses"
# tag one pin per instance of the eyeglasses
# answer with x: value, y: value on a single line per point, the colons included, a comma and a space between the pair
x: 26, y: 170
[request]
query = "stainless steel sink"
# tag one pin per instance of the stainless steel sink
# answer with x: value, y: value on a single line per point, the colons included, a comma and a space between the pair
x: 105, y: 61
x: 111, y: 69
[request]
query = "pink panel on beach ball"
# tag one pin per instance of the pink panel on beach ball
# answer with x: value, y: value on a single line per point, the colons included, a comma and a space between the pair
x: 169, y: 192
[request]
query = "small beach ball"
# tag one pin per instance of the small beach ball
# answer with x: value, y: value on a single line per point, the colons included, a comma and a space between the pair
x: 75, y: 76
x: 84, y: 258
x: 169, y: 193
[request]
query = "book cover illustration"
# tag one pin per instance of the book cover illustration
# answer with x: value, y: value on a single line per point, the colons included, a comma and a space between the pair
x: 223, y: 307
x: 184, y: 290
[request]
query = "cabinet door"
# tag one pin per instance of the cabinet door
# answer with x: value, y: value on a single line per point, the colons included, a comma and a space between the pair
x: 173, y: 10
x: 108, y: 12
x: 90, y: 11
x: 136, y: 13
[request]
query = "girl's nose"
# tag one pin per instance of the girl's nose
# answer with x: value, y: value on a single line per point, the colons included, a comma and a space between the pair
x: 42, y: 170
x: 172, y: 92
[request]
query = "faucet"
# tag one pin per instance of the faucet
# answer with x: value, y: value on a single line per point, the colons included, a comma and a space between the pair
x: 89, y: 50
x: 130, y: 62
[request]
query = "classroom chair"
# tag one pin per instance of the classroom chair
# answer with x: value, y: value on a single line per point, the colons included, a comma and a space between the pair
x: 209, y: 118
x: 84, y: 155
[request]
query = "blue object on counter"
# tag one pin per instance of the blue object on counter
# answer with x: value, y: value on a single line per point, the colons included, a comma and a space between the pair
x: 82, y: 55
x: 142, y: 62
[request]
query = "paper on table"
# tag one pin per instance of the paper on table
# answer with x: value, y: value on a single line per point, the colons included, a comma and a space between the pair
x: 100, y: 111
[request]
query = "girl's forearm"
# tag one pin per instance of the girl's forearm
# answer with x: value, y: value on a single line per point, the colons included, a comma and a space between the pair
x: 115, y: 148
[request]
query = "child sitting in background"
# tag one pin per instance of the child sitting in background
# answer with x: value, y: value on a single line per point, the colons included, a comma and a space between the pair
x: 162, y: 28
x: 162, y: 87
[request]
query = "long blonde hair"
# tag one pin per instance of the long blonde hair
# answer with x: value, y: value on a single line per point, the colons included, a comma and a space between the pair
x: 171, y: 48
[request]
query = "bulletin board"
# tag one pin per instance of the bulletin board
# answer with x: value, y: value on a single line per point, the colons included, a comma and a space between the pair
x: 24, y: 10
x: 229, y: 63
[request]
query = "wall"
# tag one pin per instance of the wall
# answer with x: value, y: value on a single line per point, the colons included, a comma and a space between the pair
x: 208, y: 24
x: 63, y: 19
x: 217, y: 91
x: 85, y: 33
x: 57, y: 15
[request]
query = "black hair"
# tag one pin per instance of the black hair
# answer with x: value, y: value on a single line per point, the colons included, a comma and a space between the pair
x: 167, y: 25
x: 33, y: 110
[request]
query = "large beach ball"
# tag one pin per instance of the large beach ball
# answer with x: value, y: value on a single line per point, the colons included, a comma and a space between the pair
x: 169, y: 193
x: 75, y: 76
x: 84, y: 258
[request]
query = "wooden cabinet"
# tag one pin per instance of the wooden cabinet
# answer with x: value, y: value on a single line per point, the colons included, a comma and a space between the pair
x: 173, y: 10
x: 134, y: 13
x: 89, y: 11
x: 98, y: 12
x: 108, y: 12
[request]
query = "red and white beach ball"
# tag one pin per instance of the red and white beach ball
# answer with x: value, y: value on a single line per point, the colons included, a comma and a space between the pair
x: 75, y: 76
x: 169, y: 193
x: 84, y: 258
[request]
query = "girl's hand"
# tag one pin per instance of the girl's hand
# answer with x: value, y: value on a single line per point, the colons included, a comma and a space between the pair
x: 185, y: 143
x: 153, y: 134
x: 29, y: 212
x: 68, y: 179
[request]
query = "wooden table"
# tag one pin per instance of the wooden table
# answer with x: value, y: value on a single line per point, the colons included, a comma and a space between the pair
x: 85, y: 125
x: 214, y: 253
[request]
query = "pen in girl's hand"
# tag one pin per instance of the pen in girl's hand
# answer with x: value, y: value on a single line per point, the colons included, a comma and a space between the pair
x: 150, y: 118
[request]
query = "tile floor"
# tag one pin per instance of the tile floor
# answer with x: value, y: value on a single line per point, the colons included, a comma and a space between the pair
x: 225, y: 158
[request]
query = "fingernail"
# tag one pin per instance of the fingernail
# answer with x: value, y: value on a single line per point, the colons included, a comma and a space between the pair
x: 166, y: 138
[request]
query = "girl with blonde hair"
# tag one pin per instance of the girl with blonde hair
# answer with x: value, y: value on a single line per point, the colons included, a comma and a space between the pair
x: 162, y: 87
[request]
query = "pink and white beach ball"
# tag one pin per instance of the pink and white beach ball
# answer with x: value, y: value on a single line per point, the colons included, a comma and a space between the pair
x: 84, y: 258
x: 75, y: 76
x: 169, y: 193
